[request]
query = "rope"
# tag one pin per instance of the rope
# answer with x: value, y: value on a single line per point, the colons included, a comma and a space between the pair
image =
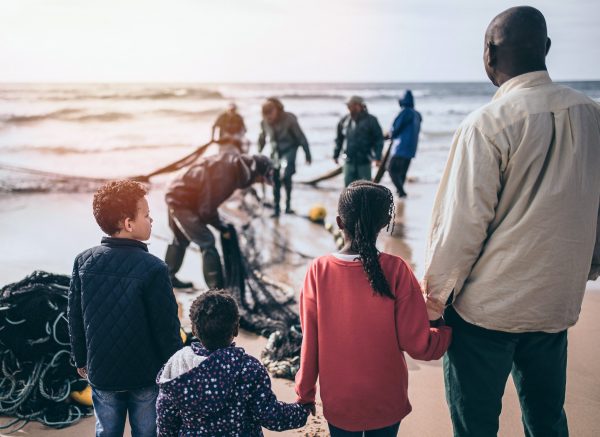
x: 77, y: 182
x: 36, y: 372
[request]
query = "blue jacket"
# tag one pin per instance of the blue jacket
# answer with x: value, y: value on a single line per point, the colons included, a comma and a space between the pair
x: 405, y: 129
x: 222, y: 393
x: 122, y: 315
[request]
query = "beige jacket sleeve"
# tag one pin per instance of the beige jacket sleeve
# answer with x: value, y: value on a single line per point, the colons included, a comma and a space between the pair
x: 463, y: 210
x: 595, y: 269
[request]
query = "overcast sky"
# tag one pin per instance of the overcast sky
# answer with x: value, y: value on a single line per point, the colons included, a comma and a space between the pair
x: 275, y: 40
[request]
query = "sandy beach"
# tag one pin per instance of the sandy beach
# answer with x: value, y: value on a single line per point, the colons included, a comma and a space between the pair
x: 64, y: 226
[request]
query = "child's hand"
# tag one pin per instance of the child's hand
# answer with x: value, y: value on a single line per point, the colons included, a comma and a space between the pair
x: 311, y: 408
x: 82, y: 371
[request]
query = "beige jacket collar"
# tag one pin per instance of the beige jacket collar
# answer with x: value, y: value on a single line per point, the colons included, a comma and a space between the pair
x: 527, y: 80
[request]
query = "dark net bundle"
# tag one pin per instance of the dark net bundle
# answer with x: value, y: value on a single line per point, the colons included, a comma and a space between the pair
x: 264, y: 305
x: 36, y: 372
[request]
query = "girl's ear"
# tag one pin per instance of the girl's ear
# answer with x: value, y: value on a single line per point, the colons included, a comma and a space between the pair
x: 339, y: 222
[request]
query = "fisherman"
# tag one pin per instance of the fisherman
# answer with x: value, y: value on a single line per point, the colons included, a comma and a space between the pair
x: 363, y: 139
x: 231, y: 129
x: 193, y: 199
x: 285, y: 136
x: 405, y: 137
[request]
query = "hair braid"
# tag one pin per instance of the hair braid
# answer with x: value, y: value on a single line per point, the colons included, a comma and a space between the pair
x: 365, y: 208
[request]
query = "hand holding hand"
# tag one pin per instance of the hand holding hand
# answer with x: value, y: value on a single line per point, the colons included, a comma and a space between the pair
x: 82, y: 371
x: 312, y: 409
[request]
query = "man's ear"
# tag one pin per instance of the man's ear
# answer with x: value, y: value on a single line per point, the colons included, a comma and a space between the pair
x: 548, y: 44
x: 339, y: 222
x: 490, y: 54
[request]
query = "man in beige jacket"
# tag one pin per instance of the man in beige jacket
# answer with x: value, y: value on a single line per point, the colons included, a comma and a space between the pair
x: 514, y: 235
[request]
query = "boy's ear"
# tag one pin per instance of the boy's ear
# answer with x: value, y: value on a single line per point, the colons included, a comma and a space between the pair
x: 339, y: 222
x: 127, y: 225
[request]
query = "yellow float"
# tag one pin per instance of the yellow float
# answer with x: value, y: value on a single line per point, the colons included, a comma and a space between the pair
x: 83, y: 397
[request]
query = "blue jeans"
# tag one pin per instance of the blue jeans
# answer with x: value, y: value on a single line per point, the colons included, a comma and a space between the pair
x: 111, y: 408
x: 388, y: 431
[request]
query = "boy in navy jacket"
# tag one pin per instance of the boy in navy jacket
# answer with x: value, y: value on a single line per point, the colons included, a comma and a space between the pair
x: 122, y: 313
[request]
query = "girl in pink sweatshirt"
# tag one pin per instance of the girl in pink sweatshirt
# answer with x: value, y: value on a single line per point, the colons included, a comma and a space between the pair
x: 360, y: 311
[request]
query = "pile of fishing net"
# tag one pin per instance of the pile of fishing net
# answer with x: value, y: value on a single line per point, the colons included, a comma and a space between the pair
x: 37, y: 377
x: 264, y: 304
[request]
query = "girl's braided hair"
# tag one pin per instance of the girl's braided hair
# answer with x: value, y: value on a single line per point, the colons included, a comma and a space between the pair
x: 365, y: 208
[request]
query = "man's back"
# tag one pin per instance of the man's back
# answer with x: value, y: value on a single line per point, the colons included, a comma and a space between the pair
x: 532, y: 158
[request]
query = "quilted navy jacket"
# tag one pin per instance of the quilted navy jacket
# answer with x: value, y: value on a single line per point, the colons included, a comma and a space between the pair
x: 222, y: 393
x: 122, y: 314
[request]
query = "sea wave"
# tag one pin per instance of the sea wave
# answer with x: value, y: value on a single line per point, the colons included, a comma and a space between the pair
x: 75, y: 115
x: 68, y: 150
x: 109, y: 93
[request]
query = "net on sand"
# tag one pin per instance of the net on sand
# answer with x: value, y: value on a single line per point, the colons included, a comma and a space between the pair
x: 36, y: 372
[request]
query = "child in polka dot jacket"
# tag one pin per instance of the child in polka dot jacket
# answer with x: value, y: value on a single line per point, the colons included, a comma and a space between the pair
x: 215, y: 388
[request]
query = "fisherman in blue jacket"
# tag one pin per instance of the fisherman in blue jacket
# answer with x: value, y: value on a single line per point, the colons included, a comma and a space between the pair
x: 405, y: 137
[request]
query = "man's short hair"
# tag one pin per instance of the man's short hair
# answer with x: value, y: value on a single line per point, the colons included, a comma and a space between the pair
x: 115, y: 201
x: 215, y: 318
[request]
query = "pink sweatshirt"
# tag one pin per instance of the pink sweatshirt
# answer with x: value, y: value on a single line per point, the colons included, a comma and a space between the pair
x: 354, y: 341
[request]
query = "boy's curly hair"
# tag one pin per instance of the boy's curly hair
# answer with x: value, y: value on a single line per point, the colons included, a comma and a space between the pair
x: 116, y: 201
x: 215, y: 318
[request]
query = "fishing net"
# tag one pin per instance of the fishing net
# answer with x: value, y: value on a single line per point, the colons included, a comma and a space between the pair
x: 37, y: 374
x: 264, y: 304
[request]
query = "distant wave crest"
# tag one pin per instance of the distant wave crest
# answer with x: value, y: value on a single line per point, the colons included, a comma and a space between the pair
x: 111, y: 93
x: 66, y: 150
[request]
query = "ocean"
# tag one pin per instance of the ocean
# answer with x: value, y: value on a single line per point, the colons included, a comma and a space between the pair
x: 117, y: 130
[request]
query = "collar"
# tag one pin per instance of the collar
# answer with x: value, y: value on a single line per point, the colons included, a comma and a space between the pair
x: 527, y: 80
x: 123, y: 242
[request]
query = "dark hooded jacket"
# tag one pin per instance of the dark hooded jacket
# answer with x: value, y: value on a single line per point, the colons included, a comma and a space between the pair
x: 220, y: 393
x: 405, y: 129
x: 204, y: 186
x: 286, y: 136
x: 363, y: 137
x: 122, y: 315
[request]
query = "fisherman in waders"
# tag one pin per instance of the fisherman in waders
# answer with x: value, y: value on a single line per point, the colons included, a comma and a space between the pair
x: 362, y: 137
x: 193, y: 199
x: 231, y: 130
x: 285, y: 136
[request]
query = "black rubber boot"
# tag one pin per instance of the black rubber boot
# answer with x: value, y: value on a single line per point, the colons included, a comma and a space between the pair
x: 213, y: 271
x: 287, y: 182
x: 174, y: 259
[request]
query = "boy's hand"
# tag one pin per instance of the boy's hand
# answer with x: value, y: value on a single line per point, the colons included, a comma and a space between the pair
x: 82, y: 371
x: 311, y: 408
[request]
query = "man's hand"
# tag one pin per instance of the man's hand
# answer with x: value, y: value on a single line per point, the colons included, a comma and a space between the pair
x: 377, y: 162
x: 82, y: 371
x: 312, y: 409
x: 308, y: 161
x: 435, y: 308
x: 337, y: 161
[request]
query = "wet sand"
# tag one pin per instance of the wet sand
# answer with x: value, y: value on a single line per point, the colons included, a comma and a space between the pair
x: 46, y: 231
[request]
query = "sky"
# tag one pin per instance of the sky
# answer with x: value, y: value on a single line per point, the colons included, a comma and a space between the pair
x: 275, y: 40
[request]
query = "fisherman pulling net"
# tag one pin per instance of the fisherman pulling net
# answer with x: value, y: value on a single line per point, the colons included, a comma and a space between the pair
x: 37, y: 376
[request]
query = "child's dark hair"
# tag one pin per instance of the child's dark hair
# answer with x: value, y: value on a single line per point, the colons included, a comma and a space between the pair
x: 116, y: 201
x: 365, y: 208
x: 215, y: 318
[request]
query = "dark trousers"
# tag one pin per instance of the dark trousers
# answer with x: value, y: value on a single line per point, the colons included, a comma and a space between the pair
x: 476, y: 368
x: 388, y: 431
x: 286, y: 181
x: 186, y: 227
x: 398, y: 168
